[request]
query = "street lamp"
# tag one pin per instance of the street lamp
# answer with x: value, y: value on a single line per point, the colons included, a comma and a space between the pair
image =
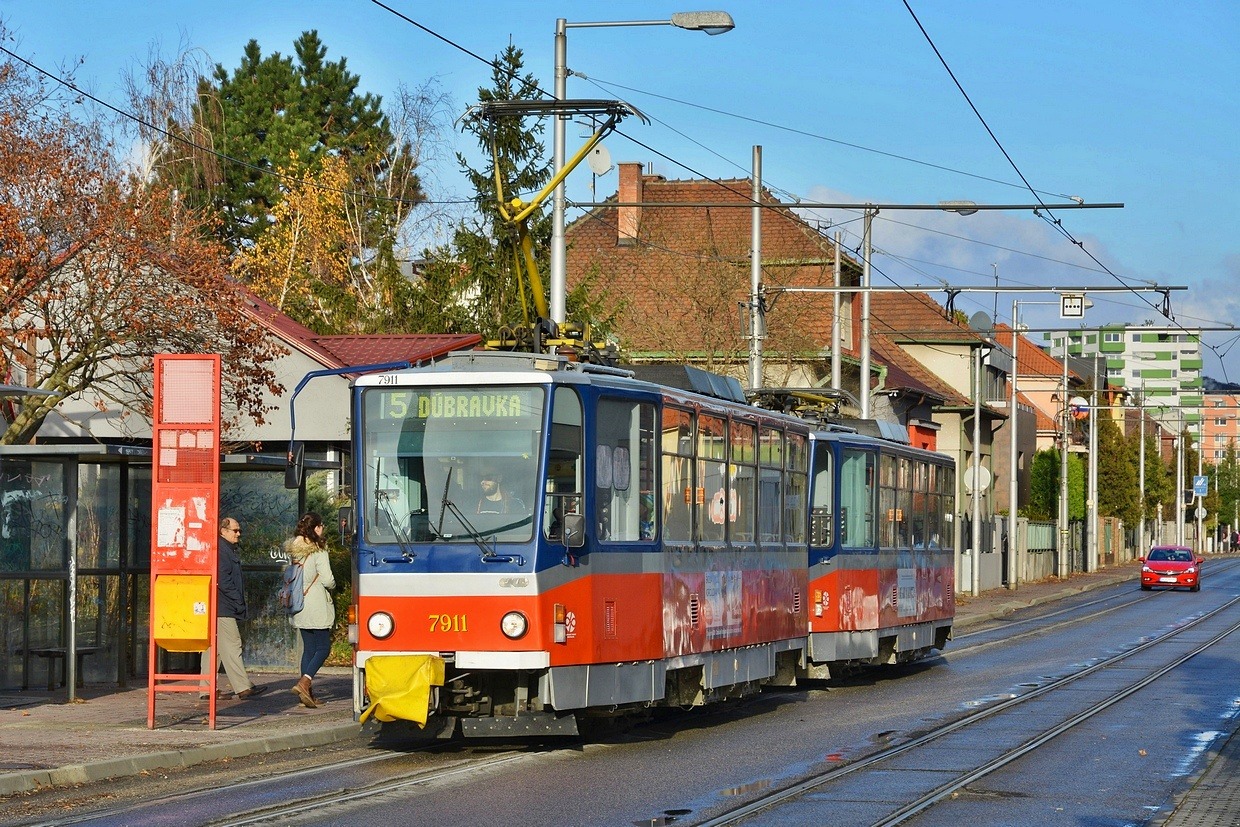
x: 711, y: 22
x: 1013, y: 572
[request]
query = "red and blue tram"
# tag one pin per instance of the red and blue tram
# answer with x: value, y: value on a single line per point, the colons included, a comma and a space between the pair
x: 538, y: 539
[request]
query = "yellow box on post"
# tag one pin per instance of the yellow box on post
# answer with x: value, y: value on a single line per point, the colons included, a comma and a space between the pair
x: 180, y: 608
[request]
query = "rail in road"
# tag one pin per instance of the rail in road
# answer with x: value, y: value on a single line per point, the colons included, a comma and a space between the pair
x: 937, y: 764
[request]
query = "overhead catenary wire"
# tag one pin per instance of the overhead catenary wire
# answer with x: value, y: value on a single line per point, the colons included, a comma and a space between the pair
x: 1055, y: 222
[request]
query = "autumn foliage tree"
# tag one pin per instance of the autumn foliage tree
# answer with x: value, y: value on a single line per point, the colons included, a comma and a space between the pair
x: 314, y: 183
x: 100, y: 272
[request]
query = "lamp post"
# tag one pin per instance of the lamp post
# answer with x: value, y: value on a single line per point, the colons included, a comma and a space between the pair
x: 1179, y: 480
x: 1013, y: 563
x: 1141, y: 478
x: 1198, y: 500
x: 1091, y: 560
x: 711, y: 22
x: 975, y: 524
x: 1061, y: 567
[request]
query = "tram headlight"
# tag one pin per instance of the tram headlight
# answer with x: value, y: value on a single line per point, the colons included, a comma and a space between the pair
x: 514, y: 625
x: 380, y: 625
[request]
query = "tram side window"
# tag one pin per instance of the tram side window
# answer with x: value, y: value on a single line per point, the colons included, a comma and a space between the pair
x: 823, y: 492
x: 857, y: 498
x: 887, y: 513
x: 947, y: 505
x: 676, y: 446
x: 563, y: 485
x: 904, y: 501
x: 743, y: 472
x: 796, y: 489
x: 770, y: 484
x: 920, y: 504
x: 623, y: 471
x: 712, y: 497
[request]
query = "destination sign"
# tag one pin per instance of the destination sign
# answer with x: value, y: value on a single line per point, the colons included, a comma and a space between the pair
x: 472, y: 404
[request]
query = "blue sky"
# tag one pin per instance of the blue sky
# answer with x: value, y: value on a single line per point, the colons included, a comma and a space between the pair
x: 1107, y: 100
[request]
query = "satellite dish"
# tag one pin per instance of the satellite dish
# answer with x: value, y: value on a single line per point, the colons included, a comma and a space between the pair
x: 599, y: 160
x: 983, y: 476
x: 980, y: 322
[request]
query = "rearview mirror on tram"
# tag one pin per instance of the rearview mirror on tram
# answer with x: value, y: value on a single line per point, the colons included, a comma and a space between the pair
x: 574, y: 530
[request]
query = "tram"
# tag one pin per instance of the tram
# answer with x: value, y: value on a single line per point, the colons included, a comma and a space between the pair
x: 538, y: 540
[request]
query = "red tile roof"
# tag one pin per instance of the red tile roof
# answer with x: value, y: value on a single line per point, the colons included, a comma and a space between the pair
x: 343, y: 351
x: 679, y: 283
x: 1031, y: 359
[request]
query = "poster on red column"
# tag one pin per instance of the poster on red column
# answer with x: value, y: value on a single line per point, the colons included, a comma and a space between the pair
x: 184, y: 526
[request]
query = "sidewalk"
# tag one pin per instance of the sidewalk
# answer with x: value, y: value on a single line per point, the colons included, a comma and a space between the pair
x: 47, y: 742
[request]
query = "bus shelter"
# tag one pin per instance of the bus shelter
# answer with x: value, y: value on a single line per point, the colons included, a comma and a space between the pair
x: 75, y: 532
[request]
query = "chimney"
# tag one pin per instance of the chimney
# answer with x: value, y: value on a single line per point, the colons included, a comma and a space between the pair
x: 630, y: 192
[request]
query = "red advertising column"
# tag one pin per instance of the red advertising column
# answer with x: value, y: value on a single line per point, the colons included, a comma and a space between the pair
x: 185, y: 495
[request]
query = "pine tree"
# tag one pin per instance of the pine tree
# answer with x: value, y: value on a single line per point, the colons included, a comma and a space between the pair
x: 487, y: 247
x: 272, y: 108
x: 1117, y: 475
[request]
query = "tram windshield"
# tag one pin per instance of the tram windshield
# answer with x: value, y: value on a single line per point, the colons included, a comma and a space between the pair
x: 450, y: 463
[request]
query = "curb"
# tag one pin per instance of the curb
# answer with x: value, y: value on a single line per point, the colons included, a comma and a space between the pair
x: 1016, y: 603
x: 28, y: 780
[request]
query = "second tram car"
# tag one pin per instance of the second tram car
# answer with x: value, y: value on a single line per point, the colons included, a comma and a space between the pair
x: 537, y: 539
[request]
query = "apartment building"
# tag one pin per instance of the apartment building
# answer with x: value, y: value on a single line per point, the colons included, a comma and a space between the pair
x: 1160, y: 365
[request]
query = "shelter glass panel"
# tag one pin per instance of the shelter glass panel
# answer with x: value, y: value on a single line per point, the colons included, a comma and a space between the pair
x: 32, y: 516
x: 98, y: 518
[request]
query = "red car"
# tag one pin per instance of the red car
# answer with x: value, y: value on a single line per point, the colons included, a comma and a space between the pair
x: 1171, y: 566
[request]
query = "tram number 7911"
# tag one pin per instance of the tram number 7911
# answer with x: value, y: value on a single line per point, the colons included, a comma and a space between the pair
x: 448, y: 623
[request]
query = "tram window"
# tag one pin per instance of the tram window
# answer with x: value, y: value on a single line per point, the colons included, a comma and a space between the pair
x: 887, y: 505
x: 904, y: 502
x: 920, y: 505
x: 796, y: 490
x: 857, y: 498
x: 948, y: 505
x: 624, y: 459
x: 677, y: 461
x: 823, y: 493
x: 426, y: 449
x: 564, y: 481
x: 770, y: 484
x: 743, y: 477
x: 712, y: 498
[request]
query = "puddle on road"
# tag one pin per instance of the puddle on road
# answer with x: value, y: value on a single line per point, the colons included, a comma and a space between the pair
x: 988, y: 699
x: 751, y: 787
x: 1201, y: 742
x: 668, y: 817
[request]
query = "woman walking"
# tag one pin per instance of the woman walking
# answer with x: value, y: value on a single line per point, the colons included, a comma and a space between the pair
x: 318, y: 614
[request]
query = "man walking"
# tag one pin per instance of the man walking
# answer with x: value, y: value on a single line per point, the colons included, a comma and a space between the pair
x: 229, y: 609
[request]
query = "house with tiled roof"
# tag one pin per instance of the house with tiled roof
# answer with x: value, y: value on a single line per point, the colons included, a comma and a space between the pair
x: 673, y: 259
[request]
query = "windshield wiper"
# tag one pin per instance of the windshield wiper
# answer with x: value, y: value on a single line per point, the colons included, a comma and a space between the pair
x: 407, y: 554
x: 489, y: 554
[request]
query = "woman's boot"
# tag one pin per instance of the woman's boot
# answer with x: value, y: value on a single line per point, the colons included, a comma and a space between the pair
x: 302, y: 690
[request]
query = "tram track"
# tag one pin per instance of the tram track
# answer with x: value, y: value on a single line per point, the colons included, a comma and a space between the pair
x: 838, y: 782
x: 305, y: 786
x: 284, y: 813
